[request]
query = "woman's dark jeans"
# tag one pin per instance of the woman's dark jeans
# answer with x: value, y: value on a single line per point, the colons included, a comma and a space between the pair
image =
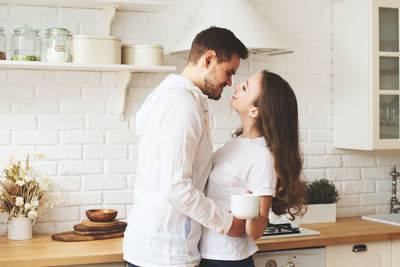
x: 131, y: 265
x: 219, y: 263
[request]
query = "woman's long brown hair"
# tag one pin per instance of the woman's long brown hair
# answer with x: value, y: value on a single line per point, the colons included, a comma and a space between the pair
x: 278, y: 122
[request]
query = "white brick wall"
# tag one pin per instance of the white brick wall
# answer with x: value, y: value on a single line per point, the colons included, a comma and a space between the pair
x: 104, y: 182
x: 64, y: 92
x: 91, y: 156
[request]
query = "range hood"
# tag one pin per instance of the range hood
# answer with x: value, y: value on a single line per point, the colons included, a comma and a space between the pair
x: 239, y: 16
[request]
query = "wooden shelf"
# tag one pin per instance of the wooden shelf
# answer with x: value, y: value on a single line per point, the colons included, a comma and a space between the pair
x: 388, y: 92
x: 389, y: 54
x: 128, y: 5
x: 32, y: 65
x: 123, y: 73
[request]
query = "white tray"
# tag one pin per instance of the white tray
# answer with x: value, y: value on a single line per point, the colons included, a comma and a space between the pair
x: 303, y: 232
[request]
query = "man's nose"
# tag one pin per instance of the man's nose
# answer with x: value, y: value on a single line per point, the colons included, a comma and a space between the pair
x: 229, y: 82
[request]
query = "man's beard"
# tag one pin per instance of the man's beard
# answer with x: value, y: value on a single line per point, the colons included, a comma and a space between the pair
x: 210, y: 88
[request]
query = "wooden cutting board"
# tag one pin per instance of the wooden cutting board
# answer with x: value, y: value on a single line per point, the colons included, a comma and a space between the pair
x: 83, y: 228
x: 105, y: 232
x: 99, y: 224
x: 72, y: 237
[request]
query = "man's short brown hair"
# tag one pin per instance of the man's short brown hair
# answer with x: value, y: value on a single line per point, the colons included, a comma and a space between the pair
x: 220, y: 40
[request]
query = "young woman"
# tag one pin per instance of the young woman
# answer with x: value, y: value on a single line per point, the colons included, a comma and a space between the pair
x: 264, y: 158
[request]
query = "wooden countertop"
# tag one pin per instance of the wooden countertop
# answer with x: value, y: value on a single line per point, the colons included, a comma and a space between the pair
x: 343, y: 231
x: 43, y: 251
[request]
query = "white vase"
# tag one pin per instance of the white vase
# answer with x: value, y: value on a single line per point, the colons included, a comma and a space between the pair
x: 20, y: 228
x: 319, y: 213
x: 316, y: 213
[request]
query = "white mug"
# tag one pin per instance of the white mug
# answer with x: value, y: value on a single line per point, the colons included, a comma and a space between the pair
x: 245, y: 206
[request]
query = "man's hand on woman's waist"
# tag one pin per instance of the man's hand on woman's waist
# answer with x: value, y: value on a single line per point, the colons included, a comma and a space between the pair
x: 238, y: 227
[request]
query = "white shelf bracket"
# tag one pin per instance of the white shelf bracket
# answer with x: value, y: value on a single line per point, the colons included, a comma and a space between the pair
x: 108, y: 14
x: 123, y: 78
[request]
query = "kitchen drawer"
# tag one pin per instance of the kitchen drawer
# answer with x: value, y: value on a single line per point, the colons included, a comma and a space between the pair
x: 377, y: 254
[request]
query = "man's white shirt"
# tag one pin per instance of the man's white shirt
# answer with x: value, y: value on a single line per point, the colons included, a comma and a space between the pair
x: 174, y: 161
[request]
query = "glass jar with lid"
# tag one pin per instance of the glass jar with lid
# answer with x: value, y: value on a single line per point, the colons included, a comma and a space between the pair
x: 2, y: 44
x: 26, y: 44
x: 58, y: 42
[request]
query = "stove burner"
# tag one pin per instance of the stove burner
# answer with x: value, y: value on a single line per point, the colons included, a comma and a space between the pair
x: 280, y: 229
x: 270, y: 229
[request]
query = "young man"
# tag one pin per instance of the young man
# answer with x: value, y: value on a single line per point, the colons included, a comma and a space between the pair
x: 174, y: 161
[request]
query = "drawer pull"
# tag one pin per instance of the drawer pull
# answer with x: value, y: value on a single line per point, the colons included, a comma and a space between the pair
x: 359, y: 248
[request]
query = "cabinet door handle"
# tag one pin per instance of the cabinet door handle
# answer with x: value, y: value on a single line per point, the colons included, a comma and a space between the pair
x: 359, y: 248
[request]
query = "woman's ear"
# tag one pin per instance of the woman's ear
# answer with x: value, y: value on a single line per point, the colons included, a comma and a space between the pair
x: 253, y: 113
x: 208, y: 57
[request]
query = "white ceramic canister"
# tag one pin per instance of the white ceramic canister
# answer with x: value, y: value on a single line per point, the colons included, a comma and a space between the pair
x: 98, y: 49
x: 20, y: 229
x: 143, y: 54
x: 245, y: 206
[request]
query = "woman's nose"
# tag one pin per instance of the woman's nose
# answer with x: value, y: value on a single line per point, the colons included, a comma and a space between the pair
x: 236, y: 88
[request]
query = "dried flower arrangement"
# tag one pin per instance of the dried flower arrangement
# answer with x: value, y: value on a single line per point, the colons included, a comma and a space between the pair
x: 22, y: 193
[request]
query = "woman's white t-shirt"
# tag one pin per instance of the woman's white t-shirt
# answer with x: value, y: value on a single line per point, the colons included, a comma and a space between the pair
x: 242, y: 163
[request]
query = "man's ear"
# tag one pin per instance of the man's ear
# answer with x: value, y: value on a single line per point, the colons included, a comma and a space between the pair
x: 208, y: 58
x: 253, y: 112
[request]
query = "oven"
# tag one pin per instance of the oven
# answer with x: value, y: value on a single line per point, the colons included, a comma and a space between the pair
x: 306, y: 257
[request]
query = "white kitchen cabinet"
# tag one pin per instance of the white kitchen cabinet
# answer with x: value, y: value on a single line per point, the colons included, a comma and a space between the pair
x: 396, y: 253
x: 366, y: 74
x: 377, y: 254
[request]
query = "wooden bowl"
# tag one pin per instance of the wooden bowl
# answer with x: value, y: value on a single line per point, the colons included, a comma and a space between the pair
x: 101, y: 215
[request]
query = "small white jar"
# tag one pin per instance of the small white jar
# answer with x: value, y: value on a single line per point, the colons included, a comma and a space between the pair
x: 143, y: 54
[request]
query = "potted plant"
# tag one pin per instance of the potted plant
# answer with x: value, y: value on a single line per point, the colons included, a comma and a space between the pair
x: 321, y: 196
